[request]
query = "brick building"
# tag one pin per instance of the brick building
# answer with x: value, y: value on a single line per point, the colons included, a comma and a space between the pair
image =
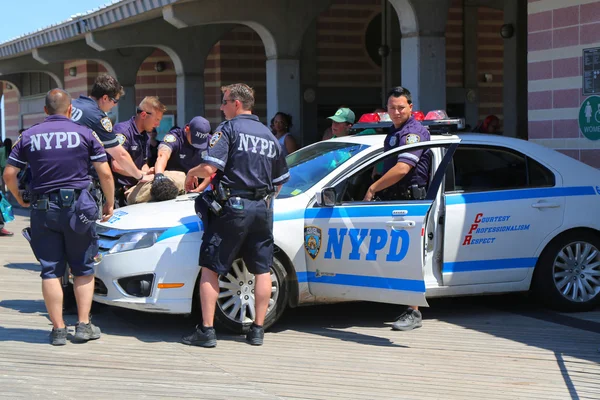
x: 559, y: 33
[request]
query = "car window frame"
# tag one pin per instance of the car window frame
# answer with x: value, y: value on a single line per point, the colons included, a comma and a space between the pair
x: 449, y: 144
x: 452, y: 171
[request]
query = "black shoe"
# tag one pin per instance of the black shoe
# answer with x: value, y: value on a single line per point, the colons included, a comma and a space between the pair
x: 255, y: 335
x: 85, y: 332
x: 58, y: 337
x: 408, y: 320
x: 203, y: 337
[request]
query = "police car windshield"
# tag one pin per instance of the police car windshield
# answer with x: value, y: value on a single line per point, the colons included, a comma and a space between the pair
x: 311, y: 164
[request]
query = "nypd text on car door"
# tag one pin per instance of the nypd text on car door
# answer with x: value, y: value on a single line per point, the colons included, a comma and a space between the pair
x: 371, y: 251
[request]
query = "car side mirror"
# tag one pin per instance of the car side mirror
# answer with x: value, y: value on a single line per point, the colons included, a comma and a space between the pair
x: 326, y: 197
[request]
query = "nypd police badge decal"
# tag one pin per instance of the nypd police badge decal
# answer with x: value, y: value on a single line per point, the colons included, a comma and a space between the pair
x: 312, y: 240
x: 412, y: 138
x: 169, y: 138
x: 106, y: 124
x: 121, y: 138
x: 214, y: 139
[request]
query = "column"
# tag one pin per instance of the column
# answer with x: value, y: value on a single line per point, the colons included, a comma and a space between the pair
x: 190, y: 97
x: 283, y: 90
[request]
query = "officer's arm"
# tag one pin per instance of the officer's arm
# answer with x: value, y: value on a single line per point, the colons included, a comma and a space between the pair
x: 393, y: 176
x: 106, y: 182
x: 164, y: 153
x: 202, y: 171
x: 11, y: 180
x: 123, y: 164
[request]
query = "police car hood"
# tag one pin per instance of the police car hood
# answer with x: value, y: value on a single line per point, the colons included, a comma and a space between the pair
x: 180, y: 211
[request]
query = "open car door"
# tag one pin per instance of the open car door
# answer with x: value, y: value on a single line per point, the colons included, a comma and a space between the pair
x: 371, y: 251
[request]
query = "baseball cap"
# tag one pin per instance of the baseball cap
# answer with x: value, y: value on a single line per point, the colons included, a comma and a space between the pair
x: 200, y: 132
x: 343, y: 115
x: 86, y: 213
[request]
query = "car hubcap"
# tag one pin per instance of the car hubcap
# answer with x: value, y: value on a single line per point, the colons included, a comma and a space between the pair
x: 577, y: 272
x: 236, y: 296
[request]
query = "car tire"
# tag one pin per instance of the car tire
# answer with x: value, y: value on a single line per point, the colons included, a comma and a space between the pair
x: 559, y: 280
x: 224, y: 311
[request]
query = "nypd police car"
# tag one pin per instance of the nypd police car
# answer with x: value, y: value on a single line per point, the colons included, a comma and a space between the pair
x: 500, y: 215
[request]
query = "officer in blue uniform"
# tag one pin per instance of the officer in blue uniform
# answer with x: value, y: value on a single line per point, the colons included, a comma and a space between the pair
x: 59, y: 153
x: 182, y: 149
x: 250, y: 170
x: 91, y: 112
x: 132, y: 135
x: 405, y: 177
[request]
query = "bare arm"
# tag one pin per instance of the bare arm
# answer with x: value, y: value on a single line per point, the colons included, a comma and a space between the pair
x: 290, y: 144
x: 201, y: 171
x: 108, y: 188
x: 164, y: 153
x: 393, y: 176
x: 122, y: 162
x: 10, y: 179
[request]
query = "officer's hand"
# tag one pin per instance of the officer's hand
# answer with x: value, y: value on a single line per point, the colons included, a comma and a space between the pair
x: 147, y: 178
x: 23, y: 203
x: 369, y: 195
x: 191, y: 183
x: 107, y: 212
x: 150, y: 171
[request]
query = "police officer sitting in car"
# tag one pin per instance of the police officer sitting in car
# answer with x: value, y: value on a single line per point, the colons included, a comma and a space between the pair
x: 405, y: 177
x: 91, y: 112
x: 132, y: 135
x: 181, y: 149
x: 250, y: 170
x: 59, y: 153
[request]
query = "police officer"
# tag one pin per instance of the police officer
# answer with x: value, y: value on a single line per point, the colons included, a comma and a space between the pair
x: 406, y: 176
x: 181, y: 149
x: 91, y: 112
x: 250, y: 170
x: 59, y: 153
x: 132, y: 135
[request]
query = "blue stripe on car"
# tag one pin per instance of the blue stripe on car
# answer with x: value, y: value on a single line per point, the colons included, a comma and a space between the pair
x: 520, y: 194
x: 487, y: 265
x: 376, y: 282
x: 375, y: 210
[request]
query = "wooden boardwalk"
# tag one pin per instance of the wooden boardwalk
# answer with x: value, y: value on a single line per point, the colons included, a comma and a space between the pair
x: 474, y: 348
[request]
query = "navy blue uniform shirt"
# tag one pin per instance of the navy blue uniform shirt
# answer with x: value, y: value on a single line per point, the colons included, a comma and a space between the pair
x: 135, y: 143
x: 247, y: 155
x: 184, y: 156
x: 59, y: 153
x: 87, y: 113
x: 411, y: 132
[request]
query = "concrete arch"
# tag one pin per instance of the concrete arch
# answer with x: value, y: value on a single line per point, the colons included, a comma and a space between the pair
x: 407, y: 16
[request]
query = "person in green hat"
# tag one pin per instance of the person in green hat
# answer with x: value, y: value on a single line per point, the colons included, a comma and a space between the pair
x: 343, y: 119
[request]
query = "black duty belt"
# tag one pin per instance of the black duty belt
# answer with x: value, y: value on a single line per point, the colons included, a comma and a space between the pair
x: 64, y: 197
x: 256, y: 194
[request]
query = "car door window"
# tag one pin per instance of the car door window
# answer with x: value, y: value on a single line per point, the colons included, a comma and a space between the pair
x: 354, y: 187
x: 487, y: 168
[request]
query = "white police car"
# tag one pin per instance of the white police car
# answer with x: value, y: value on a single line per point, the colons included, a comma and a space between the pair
x: 501, y: 215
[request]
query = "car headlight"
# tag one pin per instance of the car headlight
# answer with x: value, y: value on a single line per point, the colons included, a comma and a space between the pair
x: 135, y: 241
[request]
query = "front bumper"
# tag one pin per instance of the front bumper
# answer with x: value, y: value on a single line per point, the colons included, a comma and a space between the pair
x: 171, y: 261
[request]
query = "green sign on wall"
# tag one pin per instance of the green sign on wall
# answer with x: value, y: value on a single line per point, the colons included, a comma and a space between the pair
x: 589, y: 118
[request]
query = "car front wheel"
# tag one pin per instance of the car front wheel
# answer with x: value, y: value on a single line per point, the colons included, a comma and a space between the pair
x: 567, y: 275
x: 236, y: 310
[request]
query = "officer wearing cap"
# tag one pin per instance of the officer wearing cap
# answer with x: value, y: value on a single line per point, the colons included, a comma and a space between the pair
x: 342, y: 121
x: 250, y: 170
x: 406, y: 176
x: 59, y: 153
x: 132, y: 135
x: 91, y: 112
x: 182, y: 149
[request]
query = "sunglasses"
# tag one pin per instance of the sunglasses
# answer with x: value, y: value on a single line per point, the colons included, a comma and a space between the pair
x: 224, y: 102
x: 113, y: 100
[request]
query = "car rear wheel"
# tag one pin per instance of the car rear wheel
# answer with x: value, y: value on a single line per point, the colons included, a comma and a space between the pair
x: 235, y: 309
x: 567, y: 275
